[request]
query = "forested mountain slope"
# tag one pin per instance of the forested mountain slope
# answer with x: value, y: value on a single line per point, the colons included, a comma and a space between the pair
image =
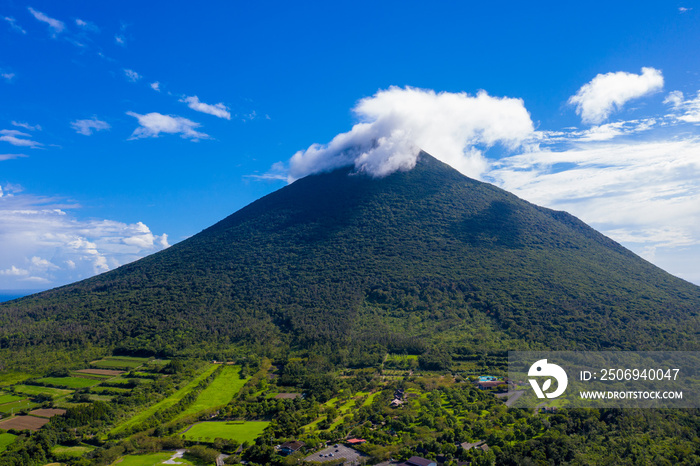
x: 402, y: 262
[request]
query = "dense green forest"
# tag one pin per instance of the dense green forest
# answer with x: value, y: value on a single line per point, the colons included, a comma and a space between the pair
x: 417, y: 259
x: 346, y: 290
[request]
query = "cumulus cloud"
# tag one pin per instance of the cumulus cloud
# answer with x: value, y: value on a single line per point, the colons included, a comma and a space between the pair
x: 55, y: 26
x: 13, y: 25
x: 395, y: 124
x: 120, y: 40
x: 218, y: 110
x: 596, y: 100
x: 18, y: 138
x: 131, y: 75
x: 152, y: 124
x: 87, y: 127
x: 8, y: 76
x: 43, y: 242
x: 155, y: 86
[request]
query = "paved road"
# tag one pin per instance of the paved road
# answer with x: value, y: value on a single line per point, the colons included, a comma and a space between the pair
x: 514, y: 397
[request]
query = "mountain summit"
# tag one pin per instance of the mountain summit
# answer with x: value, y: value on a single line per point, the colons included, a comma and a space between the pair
x: 403, y: 262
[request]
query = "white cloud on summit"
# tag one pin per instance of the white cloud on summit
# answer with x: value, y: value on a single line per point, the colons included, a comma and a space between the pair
x: 152, y: 124
x: 605, y: 93
x: 55, y: 25
x: 44, y: 243
x: 395, y: 124
x: 218, y: 110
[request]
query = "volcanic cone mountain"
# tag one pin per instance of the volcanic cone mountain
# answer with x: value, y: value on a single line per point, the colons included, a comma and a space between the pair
x: 402, y: 263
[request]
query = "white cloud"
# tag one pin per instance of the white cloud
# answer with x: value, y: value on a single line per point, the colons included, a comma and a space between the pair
x: 55, y: 25
x: 686, y: 110
x: 395, y: 124
x: 26, y: 126
x: 17, y: 138
x: 14, y: 271
x: 596, y: 100
x: 152, y: 124
x: 13, y: 24
x: 7, y: 76
x: 643, y: 194
x: 218, y: 110
x: 120, y: 40
x: 10, y: 157
x: 675, y: 98
x: 44, y: 243
x: 683, y: 9
x: 131, y: 75
x: 86, y: 25
x: 86, y: 127
x: 155, y: 86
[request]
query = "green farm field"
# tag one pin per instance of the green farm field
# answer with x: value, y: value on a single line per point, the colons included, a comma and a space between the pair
x: 16, y: 406
x: 149, y: 460
x: 9, y: 398
x: 76, y: 451
x: 119, y: 362
x: 166, y: 403
x: 36, y: 390
x: 68, y: 382
x: 6, y: 440
x: 12, y: 377
x: 246, y: 431
x: 219, y: 392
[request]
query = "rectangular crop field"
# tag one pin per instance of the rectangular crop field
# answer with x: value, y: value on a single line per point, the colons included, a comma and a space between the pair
x: 8, y: 398
x: 36, y: 390
x: 68, y: 382
x: 106, y: 372
x: 166, y: 403
x: 246, y: 431
x: 23, y: 422
x: 14, y: 407
x: 150, y: 459
x: 219, y: 392
x: 76, y: 451
x: 6, y: 440
x: 119, y: 363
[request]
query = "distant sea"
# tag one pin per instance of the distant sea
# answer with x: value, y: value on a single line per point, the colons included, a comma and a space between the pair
x: 9, y: 295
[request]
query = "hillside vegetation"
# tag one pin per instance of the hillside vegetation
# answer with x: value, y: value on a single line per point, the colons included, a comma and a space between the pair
x: 355, y: 266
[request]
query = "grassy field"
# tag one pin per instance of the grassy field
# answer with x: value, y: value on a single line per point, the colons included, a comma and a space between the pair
x: 219, y: 392
x: 68, y: 382
x: 166, y: 403
x: 246, y: 431
x: 12, y: 377
x: 9, y: 408
x: 36, y: 390
x: 119, y: 362
x: 109, y: 389
x: 7, y: 398
x: 6, y: 440
x: 149, y: 460
x: 77, y: 451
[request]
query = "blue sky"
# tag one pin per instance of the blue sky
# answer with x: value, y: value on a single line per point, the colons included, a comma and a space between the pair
x: 129, y: 126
